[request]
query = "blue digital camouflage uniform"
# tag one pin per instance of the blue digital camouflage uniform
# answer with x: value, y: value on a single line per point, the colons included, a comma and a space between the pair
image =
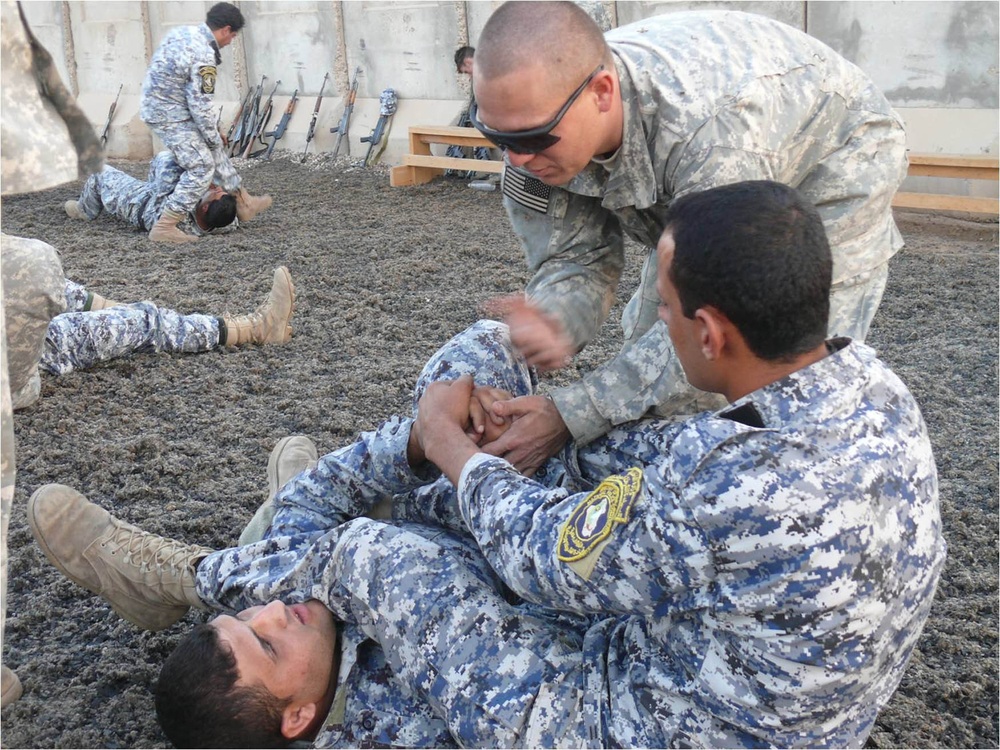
x: 710, y: 98
x: 76, y: 340
x: 133, y: 201
x: 753, y: 576
x: 176, y: 103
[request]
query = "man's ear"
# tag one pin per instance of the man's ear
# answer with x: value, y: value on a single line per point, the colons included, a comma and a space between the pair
x: 604, y: 87
x: 712, y: 326
x: 295, y: 719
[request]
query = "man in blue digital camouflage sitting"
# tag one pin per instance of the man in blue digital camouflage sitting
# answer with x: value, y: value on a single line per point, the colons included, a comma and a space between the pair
x: 757, y: 575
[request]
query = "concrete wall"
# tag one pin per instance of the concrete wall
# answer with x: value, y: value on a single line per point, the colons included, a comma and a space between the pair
x: 936, y: 61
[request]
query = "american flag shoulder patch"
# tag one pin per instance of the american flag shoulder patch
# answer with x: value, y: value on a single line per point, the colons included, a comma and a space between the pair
x: 525, y: 190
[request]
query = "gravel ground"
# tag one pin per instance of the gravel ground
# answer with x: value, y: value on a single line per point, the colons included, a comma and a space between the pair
x: 178, y: 444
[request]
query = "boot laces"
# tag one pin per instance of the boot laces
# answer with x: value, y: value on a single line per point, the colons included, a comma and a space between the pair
x: 149, y: 552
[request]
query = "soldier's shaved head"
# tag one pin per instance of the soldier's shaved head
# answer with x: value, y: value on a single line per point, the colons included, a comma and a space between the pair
x: 558, y: 36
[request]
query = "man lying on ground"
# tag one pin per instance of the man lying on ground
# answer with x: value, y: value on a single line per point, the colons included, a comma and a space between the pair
x: 755, y: 575
x: 56, y: 325
x: 95, y: 329
x: 140, y: 204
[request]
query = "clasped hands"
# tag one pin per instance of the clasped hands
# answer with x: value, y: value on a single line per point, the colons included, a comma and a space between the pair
x: 458, y: 419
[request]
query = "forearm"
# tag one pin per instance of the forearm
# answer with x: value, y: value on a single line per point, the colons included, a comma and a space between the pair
x: 643, y: 375
x: 576, y: 253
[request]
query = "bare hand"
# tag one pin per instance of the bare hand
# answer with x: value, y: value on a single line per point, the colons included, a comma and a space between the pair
x: 442, y: 424
x: 537, y: 335
x: 538, y: 432
x: 486, y: 426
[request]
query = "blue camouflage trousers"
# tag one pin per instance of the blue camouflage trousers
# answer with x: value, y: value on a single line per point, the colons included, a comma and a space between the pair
x: 120, y: 194
x: 202, y: 165
x: 501, y: 672
x: 77, y: 340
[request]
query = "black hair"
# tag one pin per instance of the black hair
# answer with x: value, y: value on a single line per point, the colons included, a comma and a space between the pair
x: 461, y: 54
x: 221, y: 212
x: 199, y: 704
x: 222, y: 15
x: 758, y: 253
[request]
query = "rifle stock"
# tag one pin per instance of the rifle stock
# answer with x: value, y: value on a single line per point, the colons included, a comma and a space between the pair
x: 315, y: 114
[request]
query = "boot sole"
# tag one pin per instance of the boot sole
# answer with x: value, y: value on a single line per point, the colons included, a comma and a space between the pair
x: 123, y: 613
x: 275, y: 459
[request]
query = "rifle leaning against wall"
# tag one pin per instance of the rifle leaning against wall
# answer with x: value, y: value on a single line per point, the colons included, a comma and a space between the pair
x: 312, y: 122
x: 248, y: 117
x: 237, y: 121
x: 111, y: 114
x: 276, y: 134
x: 261, y: 122
x: 387, y: 102
x: 345, y: 120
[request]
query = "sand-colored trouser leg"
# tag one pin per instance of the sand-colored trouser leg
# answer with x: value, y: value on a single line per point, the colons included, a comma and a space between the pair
x: 8, y: 472
x: 34, y: 293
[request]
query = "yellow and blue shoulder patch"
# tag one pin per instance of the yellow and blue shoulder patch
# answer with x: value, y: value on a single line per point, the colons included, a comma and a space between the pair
x: 207, y: 74
x: 597, y: 515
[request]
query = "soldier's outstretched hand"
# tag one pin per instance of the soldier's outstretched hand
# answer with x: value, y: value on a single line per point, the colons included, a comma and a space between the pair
x: 536, y: 334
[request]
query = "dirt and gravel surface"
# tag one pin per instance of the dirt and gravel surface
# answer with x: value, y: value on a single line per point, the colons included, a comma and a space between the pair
x: 178, y: 444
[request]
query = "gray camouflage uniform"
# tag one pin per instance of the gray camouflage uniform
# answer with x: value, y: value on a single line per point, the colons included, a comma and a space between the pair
x: 710, y: 98
x: 177, y: 105
x: 133, y: 201
x: 753, y: 576
x: 45, y: 140
x: 76, y: 340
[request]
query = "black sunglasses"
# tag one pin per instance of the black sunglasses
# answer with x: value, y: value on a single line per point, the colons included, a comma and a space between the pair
x: 534, y: 140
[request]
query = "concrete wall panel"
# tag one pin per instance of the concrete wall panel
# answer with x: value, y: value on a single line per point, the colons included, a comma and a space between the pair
x: 295, y: 42
x: 791, y: 12
x: 929, y: 54
x: 936, y: 60
x: 407, y: 46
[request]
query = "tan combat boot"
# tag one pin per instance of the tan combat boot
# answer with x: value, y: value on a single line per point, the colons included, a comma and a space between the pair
x: 147, y: 579
x: 291, y: 456
x: 268, y: 324
x: 248, y: 206
x: 10, y: 686
x: 74, y: 211
x: 96, y: 302
x: 166, y: 230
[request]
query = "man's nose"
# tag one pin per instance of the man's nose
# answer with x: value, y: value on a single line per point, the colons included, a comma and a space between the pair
x: 518, y: 160
x: 274, y: 613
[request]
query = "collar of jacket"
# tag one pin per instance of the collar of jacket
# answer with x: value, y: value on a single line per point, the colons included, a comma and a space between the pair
x: 210, y: 38
x: 626, y: 178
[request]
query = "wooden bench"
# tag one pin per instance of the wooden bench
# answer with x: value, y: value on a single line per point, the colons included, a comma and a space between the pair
x: 956, y: 166
x: 420, y: 166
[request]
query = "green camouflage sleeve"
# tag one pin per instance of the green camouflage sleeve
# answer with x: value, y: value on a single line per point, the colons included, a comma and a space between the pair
x: 575, y: 251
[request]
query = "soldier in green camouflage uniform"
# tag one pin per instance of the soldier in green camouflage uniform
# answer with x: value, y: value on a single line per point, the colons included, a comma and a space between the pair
x: 668, y: 105
x: 45, y: 140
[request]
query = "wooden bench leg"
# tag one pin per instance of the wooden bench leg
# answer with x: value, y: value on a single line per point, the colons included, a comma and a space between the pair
x: 404, y: 175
